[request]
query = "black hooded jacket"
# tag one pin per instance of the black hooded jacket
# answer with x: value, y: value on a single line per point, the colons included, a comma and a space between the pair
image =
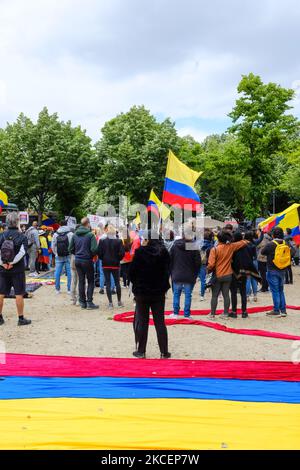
x: 185, y: 262
x: 149, y: 271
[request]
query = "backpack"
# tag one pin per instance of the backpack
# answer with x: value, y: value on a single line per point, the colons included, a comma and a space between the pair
x: 62, y: 244
x: 30, y: 237
x: 8, y: 251
x: 282, y: 257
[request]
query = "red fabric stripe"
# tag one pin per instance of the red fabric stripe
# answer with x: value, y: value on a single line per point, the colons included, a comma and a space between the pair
x: 173, y: 199
x: 127, y: 317
x: 63, y: 366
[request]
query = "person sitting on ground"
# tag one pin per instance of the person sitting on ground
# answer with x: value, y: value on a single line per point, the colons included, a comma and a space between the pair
x: 13, y: 249
x: 111, y: 251
x: 84, y: 246
x: 243, y: 267
x: 185, y: 266
x: 278, y: 259
x: 149, y: 274
x: 219, y: 263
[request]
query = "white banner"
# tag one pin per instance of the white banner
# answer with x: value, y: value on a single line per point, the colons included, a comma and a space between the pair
x: 24, y: 218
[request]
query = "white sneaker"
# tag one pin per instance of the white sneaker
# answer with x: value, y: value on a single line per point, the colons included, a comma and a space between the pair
x: 174, y: 317
x: 33, y: 274
x: 57, y: 292
x: 69, y: 292
x: 189, y: 318
x: 201, y: 298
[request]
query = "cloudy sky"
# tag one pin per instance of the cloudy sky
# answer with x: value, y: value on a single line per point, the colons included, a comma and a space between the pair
x: 92, y: 59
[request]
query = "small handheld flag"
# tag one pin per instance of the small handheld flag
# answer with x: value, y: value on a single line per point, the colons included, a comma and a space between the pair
x: 157, y: 207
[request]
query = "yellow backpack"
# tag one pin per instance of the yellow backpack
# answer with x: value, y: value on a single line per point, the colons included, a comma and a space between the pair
x: 282, y: 258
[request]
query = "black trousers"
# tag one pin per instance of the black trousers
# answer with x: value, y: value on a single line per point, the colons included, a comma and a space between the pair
x: 125, y: 273
x: 238, y: 285
x: 116, y: 275
x: 85, y: 271
x: 262, y: 268
x: 141, y: 322
x: 289, y: 275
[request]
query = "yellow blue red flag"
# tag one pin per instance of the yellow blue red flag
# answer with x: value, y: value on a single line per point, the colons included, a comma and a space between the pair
x: 180, y: 183
x: 3, y: 200
x: 157, y: 207
x: 289, y: 218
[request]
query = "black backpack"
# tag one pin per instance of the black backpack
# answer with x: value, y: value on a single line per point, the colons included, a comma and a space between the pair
x: 62, y: 244
x: 8, y: 251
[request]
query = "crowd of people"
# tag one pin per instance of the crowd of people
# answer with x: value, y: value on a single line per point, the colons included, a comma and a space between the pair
x: 227, y: 263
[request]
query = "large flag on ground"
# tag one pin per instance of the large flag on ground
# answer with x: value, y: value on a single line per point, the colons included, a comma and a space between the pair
x: 97, y: 403
x: 180, y: 184
x: 3, y: 200
x: 157, y: 207
x: 289, y: 218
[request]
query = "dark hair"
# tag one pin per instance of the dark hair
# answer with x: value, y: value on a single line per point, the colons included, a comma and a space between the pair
x: 278, y: 233
x: 208, y: 235
x: 63, y: 223
x: 249, y: 236
x: 224, y: 237
x: 228, y: 227
x: 289, y: 231
x: 237, y: 236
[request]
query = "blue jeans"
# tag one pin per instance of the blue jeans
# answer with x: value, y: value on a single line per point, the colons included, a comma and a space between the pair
x: 202, y: 277
x: 276, y: 284
x: 251, y: 286
x: 62, y: 262
x: 102, y: 279
x: 177, y: 290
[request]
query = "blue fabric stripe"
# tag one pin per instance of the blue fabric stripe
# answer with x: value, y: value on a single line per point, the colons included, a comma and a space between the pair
x: 180, y: 189
x: 107, y: 387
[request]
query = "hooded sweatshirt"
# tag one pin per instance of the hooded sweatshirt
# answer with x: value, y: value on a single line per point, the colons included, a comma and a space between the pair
x: 83, y: 244
x: 61, y: 231
x: 149, y: 271
x: 185, y: 261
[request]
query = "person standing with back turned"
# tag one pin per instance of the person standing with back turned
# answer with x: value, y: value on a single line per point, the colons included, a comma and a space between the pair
x: 84, y: 246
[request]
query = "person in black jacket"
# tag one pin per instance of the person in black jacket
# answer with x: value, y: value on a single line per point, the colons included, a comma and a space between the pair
x: 185, y: 266
x: 111, y: 251
x: 243, y: 267
x: 12, y: 271
x: 149, y: 273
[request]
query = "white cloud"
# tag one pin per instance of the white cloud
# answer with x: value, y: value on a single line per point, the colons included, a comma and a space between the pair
x: 91, y: 60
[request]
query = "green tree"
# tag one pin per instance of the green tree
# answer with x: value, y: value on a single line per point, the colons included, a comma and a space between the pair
x: 290, y: 181
x: 264, y: 127
x: 225, y: 178
x: 45, y: 164
x: 132, y: 154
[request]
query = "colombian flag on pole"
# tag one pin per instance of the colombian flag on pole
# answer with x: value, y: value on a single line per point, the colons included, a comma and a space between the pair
x: 179, y: 184
x: 64, y: 403
x: 289, y: 218
x: 157, y: 207
x: 3, y: 200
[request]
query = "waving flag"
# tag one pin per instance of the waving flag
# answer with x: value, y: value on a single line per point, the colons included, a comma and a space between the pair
x: 50, y: 402
x: 180, y: 184
x: 289, y: 218
x: 157, y: 207
x: 3, y: 200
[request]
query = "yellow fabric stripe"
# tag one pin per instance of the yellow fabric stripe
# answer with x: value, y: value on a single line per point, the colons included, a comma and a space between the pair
x: 3, y: 197
x: 147, y: 424
x: 178, y: 171
x: 164, y: 211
